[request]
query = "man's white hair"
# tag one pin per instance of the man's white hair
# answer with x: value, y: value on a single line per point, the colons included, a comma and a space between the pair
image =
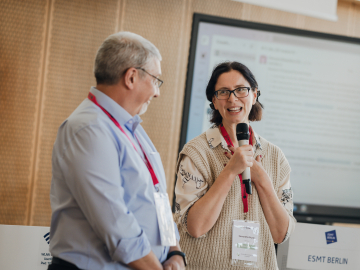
x: 119, y: 52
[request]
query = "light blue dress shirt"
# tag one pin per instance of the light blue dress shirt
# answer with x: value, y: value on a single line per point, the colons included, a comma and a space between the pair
x: 102, y: 194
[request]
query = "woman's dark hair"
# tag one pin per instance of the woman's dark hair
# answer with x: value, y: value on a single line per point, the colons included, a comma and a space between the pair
x: 256, y: 110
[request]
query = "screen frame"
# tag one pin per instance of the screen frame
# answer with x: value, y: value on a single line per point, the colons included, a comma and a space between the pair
x: 321, y: 214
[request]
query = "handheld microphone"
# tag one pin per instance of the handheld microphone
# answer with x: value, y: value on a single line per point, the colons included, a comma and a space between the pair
x: 243, y: 136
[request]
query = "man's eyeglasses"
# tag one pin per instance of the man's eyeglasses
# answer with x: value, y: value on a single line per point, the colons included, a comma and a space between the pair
x: 240, y: 92
x: 158, y: 82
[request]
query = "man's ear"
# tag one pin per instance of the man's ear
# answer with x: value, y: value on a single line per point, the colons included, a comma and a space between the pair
x: 130, y: 78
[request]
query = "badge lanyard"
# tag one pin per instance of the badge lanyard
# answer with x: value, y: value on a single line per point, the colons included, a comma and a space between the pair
x: 146, y: 160
x: 244, y: 195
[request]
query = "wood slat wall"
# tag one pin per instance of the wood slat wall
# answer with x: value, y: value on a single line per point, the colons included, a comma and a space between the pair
x: 46, y: 62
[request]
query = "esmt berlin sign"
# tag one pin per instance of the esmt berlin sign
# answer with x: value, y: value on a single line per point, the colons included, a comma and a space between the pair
x: 317, y: 247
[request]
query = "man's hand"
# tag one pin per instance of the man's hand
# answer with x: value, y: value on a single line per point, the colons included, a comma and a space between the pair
x: 175, y: 262
x: 147, y: 262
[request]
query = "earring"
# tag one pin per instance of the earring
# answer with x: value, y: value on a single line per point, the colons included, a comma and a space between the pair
x: 212, y: 106
x: 258, y: 95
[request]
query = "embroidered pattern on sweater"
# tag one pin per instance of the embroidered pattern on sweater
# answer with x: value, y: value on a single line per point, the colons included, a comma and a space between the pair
x: 186, y: 177
x: 257, y: 144
x: 209, y: 142
x: 287, y: 196
x: 177, y: 208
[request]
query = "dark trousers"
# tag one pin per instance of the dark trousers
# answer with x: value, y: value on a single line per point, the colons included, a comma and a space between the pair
x: 59, y: 264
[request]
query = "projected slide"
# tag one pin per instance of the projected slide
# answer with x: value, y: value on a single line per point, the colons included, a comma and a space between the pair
x: 311, y: 92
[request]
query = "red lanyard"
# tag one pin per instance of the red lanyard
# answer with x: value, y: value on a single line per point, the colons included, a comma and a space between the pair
x: 146, y: 161
x: 244, y: 195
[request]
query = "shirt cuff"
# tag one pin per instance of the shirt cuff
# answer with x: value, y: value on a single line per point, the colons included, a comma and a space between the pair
x: 291, y: 228
x: 183, y: 222
x: 132, y: 249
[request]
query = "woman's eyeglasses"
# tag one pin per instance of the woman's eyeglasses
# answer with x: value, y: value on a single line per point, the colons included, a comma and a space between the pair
x: 240, y: 92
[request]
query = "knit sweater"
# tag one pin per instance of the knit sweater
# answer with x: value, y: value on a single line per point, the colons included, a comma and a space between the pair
x: 205, y: 155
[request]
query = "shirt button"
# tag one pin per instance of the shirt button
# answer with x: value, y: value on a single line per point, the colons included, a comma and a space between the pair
x: 130, y: 122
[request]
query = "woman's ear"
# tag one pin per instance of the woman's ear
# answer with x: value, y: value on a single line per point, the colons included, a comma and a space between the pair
x: 255, y: 96
x: 213, y: 101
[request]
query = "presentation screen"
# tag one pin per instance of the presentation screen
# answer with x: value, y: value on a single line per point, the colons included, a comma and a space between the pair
x: 310, y: 88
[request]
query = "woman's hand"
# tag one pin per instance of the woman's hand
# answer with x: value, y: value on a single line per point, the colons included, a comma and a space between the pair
x: 275, y: 214
x: 240, y: 160
x: 257, y: 171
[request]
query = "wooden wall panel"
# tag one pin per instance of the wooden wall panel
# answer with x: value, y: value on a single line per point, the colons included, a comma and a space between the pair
x: 272, y: 16
x: 22, y: 26
x: 223, y: 8
x: 356, y: 20
x: 341, y: 27
x: 77, y: 28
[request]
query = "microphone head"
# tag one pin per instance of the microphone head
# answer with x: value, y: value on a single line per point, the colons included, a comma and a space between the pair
x: 242, y: 132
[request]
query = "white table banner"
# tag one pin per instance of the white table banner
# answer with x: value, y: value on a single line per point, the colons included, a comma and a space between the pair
x: 317, y: 247
x: 24, y: 247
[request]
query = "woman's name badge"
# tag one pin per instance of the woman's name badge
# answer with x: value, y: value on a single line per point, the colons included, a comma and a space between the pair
x: 165, y: 219
x: 245, y: 240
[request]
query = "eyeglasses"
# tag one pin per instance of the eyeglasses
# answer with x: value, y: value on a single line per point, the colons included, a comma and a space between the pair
x: 240, y: 92
x: 158, y: 82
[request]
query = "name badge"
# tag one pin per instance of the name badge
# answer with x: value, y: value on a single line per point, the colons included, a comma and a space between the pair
x: 165, y: 219
x: 245, y: 241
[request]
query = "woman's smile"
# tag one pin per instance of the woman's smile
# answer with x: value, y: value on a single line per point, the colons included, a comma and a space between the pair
x: 234, y: 110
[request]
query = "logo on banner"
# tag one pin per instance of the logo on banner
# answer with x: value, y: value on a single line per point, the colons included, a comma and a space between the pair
x: 331, y: 237
x: 47, y: 237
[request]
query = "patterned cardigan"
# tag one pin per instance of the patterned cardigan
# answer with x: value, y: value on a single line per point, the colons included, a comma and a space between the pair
x: 200, y: 162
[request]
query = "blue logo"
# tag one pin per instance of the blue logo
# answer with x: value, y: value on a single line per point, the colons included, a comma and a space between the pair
x: 331, y: 237
x: 47, y: 237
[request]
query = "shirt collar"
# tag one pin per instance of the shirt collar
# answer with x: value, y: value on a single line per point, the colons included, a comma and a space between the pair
x: 257, y: 139
x: 214, y: 138
x: 118, y: 112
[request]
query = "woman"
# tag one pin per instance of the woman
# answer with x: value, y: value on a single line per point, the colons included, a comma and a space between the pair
x: 208, y: 190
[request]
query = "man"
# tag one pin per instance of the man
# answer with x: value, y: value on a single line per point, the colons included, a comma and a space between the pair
x: 107, y: 175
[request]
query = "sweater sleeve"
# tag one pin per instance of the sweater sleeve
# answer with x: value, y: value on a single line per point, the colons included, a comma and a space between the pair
x: 189, y: 188
x: 285, y: 195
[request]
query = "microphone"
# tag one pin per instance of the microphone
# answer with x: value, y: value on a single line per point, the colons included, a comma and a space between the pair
x: 243, y: 135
